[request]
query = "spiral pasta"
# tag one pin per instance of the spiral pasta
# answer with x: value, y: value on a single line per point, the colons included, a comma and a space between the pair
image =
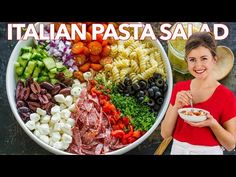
x: 135, y: 59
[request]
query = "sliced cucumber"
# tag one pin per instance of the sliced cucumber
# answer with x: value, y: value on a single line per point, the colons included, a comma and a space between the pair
x: 49, y: 63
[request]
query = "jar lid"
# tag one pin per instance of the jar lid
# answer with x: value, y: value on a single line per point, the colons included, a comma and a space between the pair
x: 224, y: 63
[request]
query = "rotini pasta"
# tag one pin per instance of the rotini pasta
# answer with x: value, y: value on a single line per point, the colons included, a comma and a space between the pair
x: 135, y: 59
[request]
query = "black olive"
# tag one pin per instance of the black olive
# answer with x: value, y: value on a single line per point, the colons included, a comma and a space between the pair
x: 140, y: 99
x: 136, y: 86
x: 151, y: 92
x: 127, y: 94
x: 150, y: 80
x: 120, y: 90
x: 125, y: 91
x: 142, y: 84
x: 140, y: 93
x: 157, y: 94
x: 151, y: 103
x: 127, y: 81
x: 165, y: 87
x: 159, y: 82
x: 153, y: 84
x: 130, y: 90
x: 156, y: 75
x: 155, y: 89
x: 156, y: 107
x: 145, y: 92
x: 122, y: 86
x: 160, y: 100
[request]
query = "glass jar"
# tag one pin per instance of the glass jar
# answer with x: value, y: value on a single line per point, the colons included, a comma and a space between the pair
x: 176, y: 48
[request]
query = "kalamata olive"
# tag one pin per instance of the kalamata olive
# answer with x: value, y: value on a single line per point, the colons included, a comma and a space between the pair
x: 151, y: 103
x: 23, y: 109
x: 136, y: 86
x: 150, y: 92
x: 156, y: 76
x: 157, y: 94
x: 19, y: 87
x: 127, y: 81
x: 159, y: 82
x: 33, y: 105
x: 60, y: 76
x: 47, y: 86
x: 43, y: 91
x: 29, y: 81
x: 35, y: 87
x: 25, y: 116
x: 20, y: 104
x: 140, y: 93
x: 56, y: 89
x: 159, y: 101
x: 33, y: 97
x: 62, y: 85
x: 43, y: 99
x: 68, y: 81
x: 142, y: 84
x: 65, y: 91
x: 25, y: 93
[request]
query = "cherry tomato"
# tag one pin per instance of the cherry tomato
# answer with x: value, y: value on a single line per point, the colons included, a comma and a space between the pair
x: 77, y: 48
x: 86, y: 51
x: 95, y: 58
x: 106, y: 51
x: 80, y: 59
x: 95, y: 47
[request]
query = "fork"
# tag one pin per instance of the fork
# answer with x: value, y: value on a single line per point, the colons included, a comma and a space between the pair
x: 191, y: 103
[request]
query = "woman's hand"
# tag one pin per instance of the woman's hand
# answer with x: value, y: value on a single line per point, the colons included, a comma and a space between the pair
x: 209, y: 122
x: 182, y: 99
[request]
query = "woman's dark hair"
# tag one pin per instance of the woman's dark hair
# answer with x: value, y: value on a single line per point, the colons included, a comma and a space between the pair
x: 205, y: 39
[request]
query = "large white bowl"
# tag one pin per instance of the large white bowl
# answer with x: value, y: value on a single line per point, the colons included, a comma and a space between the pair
x: 11, y: 86
x: 192, y: 118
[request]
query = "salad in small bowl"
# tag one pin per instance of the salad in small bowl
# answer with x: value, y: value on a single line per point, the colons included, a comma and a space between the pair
x: 193, y: 114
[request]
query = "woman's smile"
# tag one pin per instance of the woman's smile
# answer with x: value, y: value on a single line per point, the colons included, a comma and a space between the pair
x: 199, y: 71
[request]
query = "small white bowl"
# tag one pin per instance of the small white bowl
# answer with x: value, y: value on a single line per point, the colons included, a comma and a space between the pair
x: 192, y: 118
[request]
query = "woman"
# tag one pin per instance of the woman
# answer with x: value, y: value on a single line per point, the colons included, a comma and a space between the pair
x: 219, y: 129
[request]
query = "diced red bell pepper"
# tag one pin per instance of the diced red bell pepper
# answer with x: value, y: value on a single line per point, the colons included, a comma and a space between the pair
x: 102, y: 102
x: 115, y: 127
x: 131, y: 139
x: 124, y: 141
x: 126, y: 121
x: 112, y: 120
x: 131, y: 130
x: 93, y: 82
x: 137, y: 134
x: 94, y: 90
x: 101, y: 87
x: 118, y: 133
